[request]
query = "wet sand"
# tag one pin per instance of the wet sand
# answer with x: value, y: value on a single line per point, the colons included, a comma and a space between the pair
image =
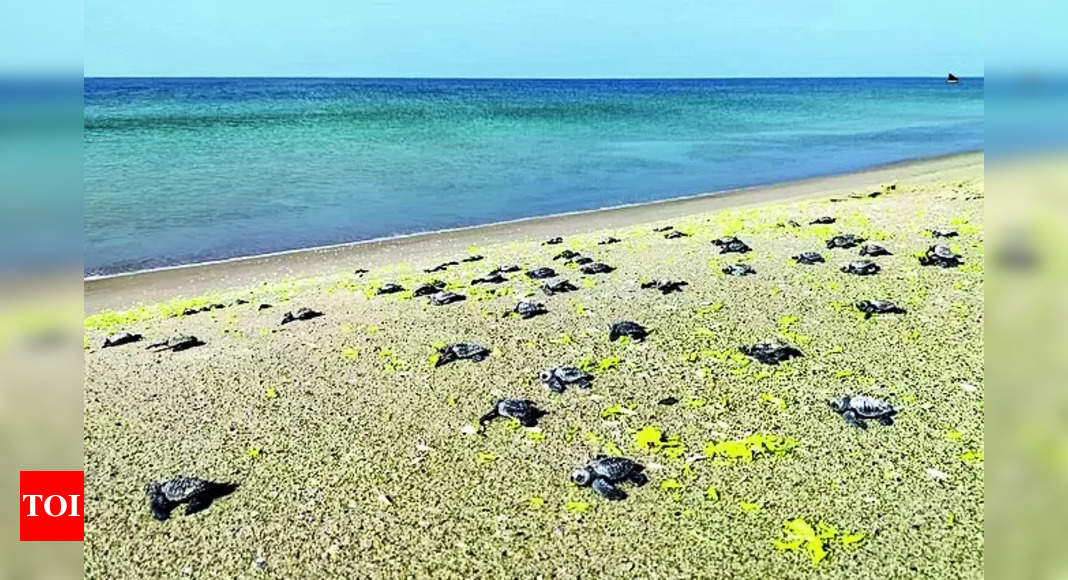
x: 357, y: 458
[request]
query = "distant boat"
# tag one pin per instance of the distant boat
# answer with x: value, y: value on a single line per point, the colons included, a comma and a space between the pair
x: 952, y: 79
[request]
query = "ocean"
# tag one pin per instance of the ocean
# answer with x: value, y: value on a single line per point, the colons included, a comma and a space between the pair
x: 179, y: 171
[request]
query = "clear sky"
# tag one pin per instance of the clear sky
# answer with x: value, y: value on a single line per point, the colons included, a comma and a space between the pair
x: 533, y: 38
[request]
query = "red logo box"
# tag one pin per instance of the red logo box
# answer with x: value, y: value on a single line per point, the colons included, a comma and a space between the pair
x: 51, y: 506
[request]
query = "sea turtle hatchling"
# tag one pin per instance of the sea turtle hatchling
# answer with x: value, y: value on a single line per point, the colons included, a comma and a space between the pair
x: 809, y: 258
x: 441, y: 267
x: 822, y: 221
x: 442, y: 298
x: 541, y: 273
x: 873, y: 307
x: 523, y: 410
x: 665, y: 286
x: 739, y: 270
x: 597, y: 268
x: 663, y: 229
x: 604, y: 474
x: 460, y: 351
x: 301, y: 314
x: 772, y: 352
x: 505, y: 269
x: 474, y: 258
x: 120, y: 339
x: 732, y: 245
x: 627, y: 328
x: 493, y: 278
x: 845, y: 241
x: 861, y: 268
x: 558, y: 287
x: 553, y: 241
x: 943, y: 233
x: 176, y: 344
x: 855, y: 410
x: 527, y: 309
x: 874, y: 250
x: 198, y: 495
x: 609, y: 240
x: 941, y: 255
x: 566, y: 255
x: 579, y: 261
x: 674, y: 234
x: 559, y: 378
x: 429, y: 288
x: 389, y: 288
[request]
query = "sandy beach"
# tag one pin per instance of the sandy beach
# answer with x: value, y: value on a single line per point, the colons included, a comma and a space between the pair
x: 356, y: 457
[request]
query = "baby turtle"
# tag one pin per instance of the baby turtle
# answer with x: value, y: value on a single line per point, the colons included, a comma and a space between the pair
x: 633, y: 330
x: 505, y: 269
x: 941, y: 255
x: 667, y: 401
x: 581, y: 260
x: 856, y: 409
x: 560, y: 378
x: 822, y: 221
x: 604, y: 473
x: 441, y: 267
x: 541, y: 273
x: 527, y: 309
x: 302, y: 314
x: 390, y: 288
x: 663, y: 229
x: 873, y: 307
x: 443, y: 298
x: 360, y: 271
x: 739, y: 270
x: 264, y: 306
x: 771, y: 352
x: 665, y: 286
x: 673, y: 234
x: 196, y: 493
x: 609, y: 240
x: 493, y: 278
x: 874, y: 250
x: 558, y: 287
x: 461, y: 350
x: 566, y: 255
x: 429, y: 288
x: 176, y: 344
x: 790, y: 223
x: 943, y: 233
x: 597, y: 268
x: 523, y: 410
x: 732, y: 245
x: 474, y: 258
x: 809, y: 258
x: 553, y: 241
x: 120, y: 339
x: 861, y: 268
x: 845, y: 241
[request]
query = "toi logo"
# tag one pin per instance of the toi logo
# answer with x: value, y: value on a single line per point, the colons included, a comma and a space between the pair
x: 51, y: 506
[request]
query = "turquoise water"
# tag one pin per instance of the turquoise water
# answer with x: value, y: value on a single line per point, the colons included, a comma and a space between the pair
x: 180, y: 171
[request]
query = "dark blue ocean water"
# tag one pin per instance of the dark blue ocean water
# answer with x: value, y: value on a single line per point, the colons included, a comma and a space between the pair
x: 188, y: 170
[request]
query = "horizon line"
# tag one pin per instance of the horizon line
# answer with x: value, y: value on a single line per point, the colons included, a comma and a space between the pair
x: 534, y: 78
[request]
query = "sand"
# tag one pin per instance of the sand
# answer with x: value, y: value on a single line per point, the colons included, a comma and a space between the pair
x: 355, y: 458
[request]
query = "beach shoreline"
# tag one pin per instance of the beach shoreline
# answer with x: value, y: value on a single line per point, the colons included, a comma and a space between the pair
x: 151, y: 286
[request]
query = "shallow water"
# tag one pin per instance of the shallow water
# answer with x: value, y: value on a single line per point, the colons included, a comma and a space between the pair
x: 188, y: 170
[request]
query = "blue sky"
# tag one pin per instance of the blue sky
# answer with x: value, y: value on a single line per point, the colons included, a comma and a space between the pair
x: 533, y: 38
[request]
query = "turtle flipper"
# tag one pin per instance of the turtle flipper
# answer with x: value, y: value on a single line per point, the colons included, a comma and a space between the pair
x: 638, y: 478
x: 607, y: 490
x: 556, y: 385
x: 488, y: 416
x: 160, y: 506
x: 853, y: 419
x: 887, y: 420
x: 198, y: 503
